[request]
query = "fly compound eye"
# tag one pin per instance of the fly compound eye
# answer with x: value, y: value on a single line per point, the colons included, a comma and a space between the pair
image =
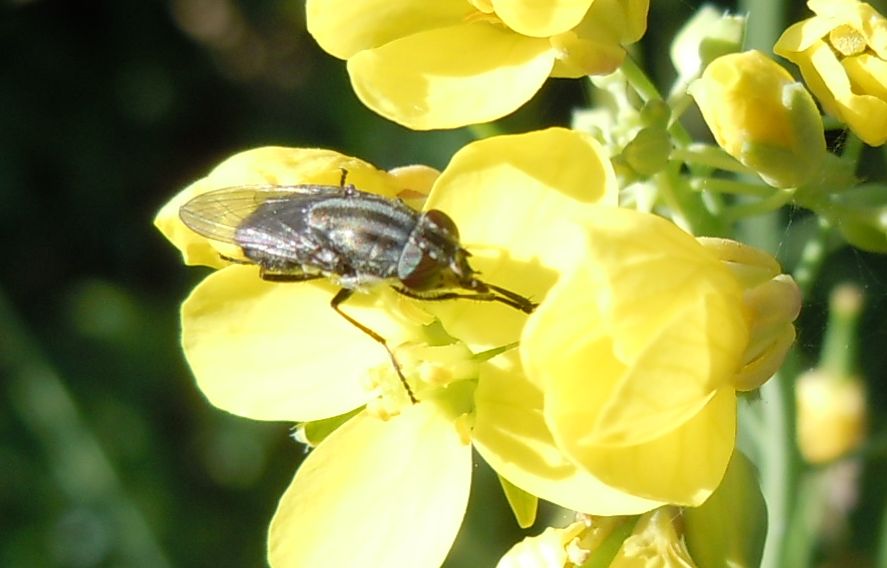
x: 418, y: 268
x: 442, y: 221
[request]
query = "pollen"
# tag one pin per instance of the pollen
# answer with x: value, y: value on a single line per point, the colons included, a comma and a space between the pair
x: 847, y: 40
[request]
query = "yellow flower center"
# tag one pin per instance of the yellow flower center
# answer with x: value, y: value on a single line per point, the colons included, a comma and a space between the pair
x: 428, y: 368
x: 847, y: 40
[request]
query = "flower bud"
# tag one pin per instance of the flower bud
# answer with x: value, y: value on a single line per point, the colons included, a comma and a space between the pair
x: 831, y: 399
x: 706, y: 36
x: 842, y: 54
x: 831, y: 415
x: 762, y: 117
x: 772, y: 301
x: 860, y: 214
x: 730, y: 528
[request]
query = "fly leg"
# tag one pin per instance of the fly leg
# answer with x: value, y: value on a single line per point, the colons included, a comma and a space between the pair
x: 504, y: 296
x: 285, y: 277
x: 337, y: 300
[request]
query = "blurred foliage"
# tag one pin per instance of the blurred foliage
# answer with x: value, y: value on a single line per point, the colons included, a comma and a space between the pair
x: 109, y: 455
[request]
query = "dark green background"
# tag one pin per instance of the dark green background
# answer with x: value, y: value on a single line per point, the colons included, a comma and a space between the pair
x: 110, y: 456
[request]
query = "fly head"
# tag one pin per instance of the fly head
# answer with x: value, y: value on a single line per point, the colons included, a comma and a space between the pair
x: 432, y: 258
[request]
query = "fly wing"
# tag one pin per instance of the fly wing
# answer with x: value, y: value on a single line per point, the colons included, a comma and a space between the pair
x: 218, y: 214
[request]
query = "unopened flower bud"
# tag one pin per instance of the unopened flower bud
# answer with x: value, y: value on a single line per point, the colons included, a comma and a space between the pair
x: 706, y: 36
x: 831, y: 399
x: 762, y: 117
x: 772, y: 302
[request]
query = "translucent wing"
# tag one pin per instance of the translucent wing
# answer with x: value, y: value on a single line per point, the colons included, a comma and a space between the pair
x: 217, y: 214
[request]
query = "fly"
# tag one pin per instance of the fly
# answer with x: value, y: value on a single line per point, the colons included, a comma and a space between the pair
x: 356, y: 239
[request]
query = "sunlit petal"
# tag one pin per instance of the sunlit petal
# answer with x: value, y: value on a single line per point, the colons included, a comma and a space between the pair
x: 540, y: 19
x: 376, y: 494
x: 510, y: 197
x: 278, y: 351
x: 683, y: 466
x: 511, y: 435
x: 344, y: 27
x: 449, y: 77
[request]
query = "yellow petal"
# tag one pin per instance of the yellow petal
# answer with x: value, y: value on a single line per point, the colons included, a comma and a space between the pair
x: 511, y: 435
x: 868, y: 74
x: 450, y: 77
x: 683, y: 466
x: 641, y: 276
x: 510, y: 196
x: 541, y: 19
x: 376, y: 494
x: 278, y: 351
x: 660, y: 336
x: 262, y: 166
x: 580, y: 56
x: 344, y: 27
x: 802, y: 35
x: 595, y: 46
x: 866, y: 115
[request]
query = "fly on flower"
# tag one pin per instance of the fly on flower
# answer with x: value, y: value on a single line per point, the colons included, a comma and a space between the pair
x: 353, y: 238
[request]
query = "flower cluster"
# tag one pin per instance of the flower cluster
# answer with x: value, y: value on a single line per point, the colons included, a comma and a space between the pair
x: 842, y: 53
x: 617, y: 396
x: 462, y: 62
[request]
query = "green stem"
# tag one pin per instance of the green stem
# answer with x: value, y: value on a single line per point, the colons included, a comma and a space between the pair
x: 648, y: 92
x: 840, y: 347
x: 760, y: 207
x: 712, y: 157
x: 689, y: 205
x: 80, y: 467
x: 852, y: 149
x: 812, y: 258
x: 486, y: 130
x: 766, y: 22
x: 882, y: 542
x: 778, y: 463
x: 718, y: 185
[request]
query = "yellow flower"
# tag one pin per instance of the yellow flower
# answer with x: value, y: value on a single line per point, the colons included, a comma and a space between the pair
x: 832, y: 400
x: 832, y: 415
x: 762, y: 117
x: 392, y: 482
x: 656, y: 541
x: 449, y: 63
x: 637, y: 354
x: 842, y: 54
x: 551, y: 549
x: 588, y: 541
